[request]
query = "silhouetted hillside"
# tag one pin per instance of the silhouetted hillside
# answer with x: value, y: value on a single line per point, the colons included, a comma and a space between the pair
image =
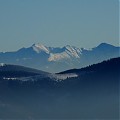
x: 94, y: 94
x: 105, y: 66
x: 18, y: 71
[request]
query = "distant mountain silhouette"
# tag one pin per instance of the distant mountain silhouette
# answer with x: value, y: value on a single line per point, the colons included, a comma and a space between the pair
x: 59, y: 59
x: 93, y: 94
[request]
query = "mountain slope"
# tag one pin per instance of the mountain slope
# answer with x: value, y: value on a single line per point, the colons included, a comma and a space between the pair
x: 93, y: 94
x: 107, y: 66
x: 16, y: 71
x: 98, y: 54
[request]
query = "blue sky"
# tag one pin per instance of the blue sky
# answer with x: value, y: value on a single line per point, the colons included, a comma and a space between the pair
x: 81, y: 23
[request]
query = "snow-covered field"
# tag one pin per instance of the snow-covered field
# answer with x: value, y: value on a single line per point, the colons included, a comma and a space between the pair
x: 63, y: 76
x: 56, y: 77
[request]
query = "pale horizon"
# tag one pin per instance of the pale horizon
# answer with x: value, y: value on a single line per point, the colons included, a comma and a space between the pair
x: 80, y: 23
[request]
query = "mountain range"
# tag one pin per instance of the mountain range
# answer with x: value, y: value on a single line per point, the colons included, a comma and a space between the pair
x: 56, y: 59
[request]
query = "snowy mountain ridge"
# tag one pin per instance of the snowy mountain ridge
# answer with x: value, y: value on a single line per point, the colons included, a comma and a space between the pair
x: 57, y: 59
x: 63, y: 53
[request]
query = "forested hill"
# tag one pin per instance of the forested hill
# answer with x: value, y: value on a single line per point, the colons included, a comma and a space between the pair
x: 7, y: 70
x: 111, y: 65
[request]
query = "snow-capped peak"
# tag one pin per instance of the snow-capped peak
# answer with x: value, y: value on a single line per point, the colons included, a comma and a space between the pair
x: 73, y: 51
x: 59, y: 53
x: 39, y: 47
x: 2, y: 64
x: 66, y: 53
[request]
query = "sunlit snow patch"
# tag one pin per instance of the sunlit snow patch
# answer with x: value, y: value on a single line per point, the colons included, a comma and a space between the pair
x: 39, y: 47
x: 60, y: 77
x: 9, y: 78
x: 58, y: 56
x: 2, y: 64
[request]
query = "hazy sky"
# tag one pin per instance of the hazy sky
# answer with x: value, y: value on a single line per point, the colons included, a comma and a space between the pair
x: 81, y: 23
